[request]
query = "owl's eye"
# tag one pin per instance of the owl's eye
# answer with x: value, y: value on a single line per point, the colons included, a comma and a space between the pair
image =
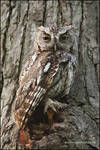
x: 46, y: 38
x: 63, y: 37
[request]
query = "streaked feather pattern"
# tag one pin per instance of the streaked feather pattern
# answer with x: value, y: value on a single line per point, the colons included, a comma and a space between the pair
x: 32, y: 88
x: 48, y: 73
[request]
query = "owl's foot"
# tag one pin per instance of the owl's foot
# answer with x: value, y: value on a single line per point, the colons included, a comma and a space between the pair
x: 52, y: 107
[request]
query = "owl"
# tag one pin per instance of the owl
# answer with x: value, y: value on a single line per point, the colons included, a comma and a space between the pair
x: 48, y: 75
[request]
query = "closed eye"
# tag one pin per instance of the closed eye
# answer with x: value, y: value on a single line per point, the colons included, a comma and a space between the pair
x: 46, y: 37
x: 63, y: 37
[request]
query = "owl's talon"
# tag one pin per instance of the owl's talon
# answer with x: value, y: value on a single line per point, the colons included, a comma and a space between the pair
x: 50, y: 105
x: 54, y: 105
x: 53, y: 108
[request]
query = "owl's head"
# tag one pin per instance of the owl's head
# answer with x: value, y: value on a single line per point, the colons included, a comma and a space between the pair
x: 55, y: 39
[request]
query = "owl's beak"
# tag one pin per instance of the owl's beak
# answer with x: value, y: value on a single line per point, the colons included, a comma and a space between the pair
x: 55, y: 47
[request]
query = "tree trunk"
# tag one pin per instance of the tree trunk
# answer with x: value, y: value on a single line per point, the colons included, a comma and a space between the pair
x: 19, y: 19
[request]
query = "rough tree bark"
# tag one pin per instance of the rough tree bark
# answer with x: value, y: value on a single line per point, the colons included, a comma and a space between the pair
x: 19, y: 20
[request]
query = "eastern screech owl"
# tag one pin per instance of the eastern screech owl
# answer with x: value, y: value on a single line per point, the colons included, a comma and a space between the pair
x: 48, y: 74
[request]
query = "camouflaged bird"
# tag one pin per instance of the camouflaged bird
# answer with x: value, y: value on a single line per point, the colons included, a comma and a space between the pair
x: 48, y: 75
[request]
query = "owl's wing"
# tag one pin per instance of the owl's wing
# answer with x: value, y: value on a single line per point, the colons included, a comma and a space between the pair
x: 71, y: 69
x: 26, y: 68
x: 36, y: 77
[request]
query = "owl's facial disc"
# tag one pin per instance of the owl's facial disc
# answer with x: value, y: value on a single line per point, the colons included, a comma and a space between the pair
x: 55, y: 39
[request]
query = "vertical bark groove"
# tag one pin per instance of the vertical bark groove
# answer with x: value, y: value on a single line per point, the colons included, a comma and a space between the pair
x: 44, y: 12
x: 71, y: 12
x: 60, y: 11
x: 5, y: 34
x: 80, y: 36
x: 23, y: 40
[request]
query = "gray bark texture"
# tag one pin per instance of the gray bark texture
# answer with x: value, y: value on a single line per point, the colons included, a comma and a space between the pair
x: 19, y: 19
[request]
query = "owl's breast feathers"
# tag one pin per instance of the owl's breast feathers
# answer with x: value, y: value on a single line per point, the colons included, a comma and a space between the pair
x: 36, y: 77
x: 35, y: 80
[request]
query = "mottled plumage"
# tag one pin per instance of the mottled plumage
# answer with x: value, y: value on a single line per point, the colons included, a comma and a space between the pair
x: 48, y: 74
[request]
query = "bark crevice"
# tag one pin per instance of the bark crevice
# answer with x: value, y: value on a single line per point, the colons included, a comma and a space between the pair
x: 6, y: 32
x: 60, y: 11
x: 23, y: 40
x: 44, y: 12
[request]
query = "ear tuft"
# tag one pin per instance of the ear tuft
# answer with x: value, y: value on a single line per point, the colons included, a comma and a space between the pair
x: 41, y: 28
